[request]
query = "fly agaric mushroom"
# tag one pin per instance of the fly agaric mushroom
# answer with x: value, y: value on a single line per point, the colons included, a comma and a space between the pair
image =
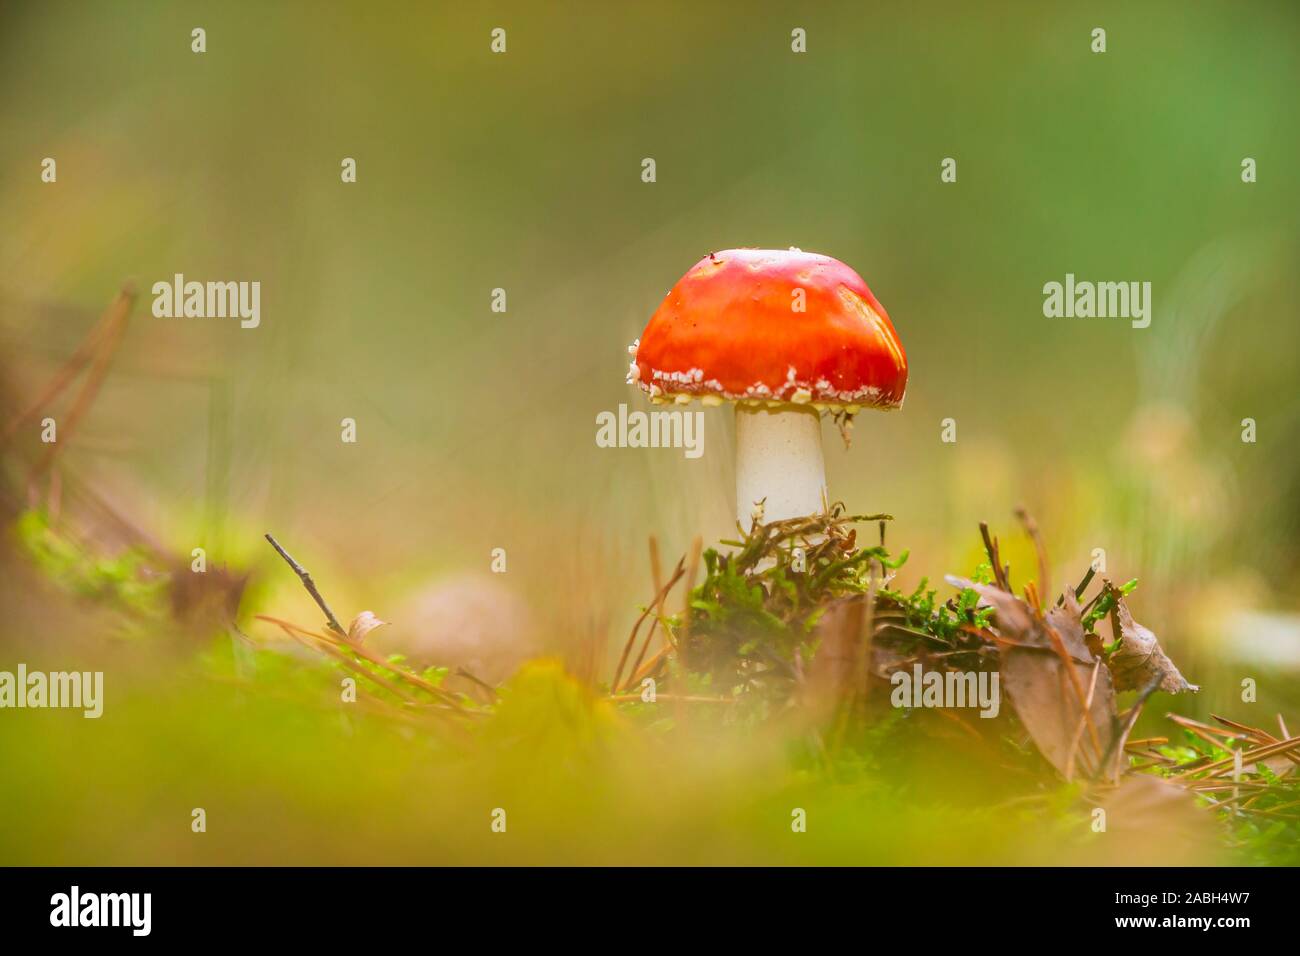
x: 786, y: 336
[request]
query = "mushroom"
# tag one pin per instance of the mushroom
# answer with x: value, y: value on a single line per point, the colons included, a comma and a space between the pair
x: 787, y: 336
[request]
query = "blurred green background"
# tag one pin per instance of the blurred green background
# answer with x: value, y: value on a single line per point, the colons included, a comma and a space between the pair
x: 522, y: 171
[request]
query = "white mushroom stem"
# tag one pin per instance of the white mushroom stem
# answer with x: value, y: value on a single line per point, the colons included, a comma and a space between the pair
x: 778, y: 458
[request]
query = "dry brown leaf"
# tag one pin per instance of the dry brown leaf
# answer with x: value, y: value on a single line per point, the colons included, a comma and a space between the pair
x: 1047, y: 703
x: 1139, y: 659
x: 1049, y: 695
x: 363, y: 624
x: 1067, y: 619
x: 1017, y: 621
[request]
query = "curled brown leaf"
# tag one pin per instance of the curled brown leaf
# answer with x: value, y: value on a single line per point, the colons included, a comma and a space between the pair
x: 363, y: 624
x: 1139, y: 658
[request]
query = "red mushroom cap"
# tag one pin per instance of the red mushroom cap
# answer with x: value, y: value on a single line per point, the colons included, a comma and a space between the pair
x: 732, y: 327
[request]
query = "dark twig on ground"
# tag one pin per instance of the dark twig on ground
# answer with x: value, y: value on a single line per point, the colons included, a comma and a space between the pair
x: 310, y: 585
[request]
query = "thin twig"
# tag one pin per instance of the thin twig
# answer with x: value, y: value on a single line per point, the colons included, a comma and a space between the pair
x: 991, y: 547
x: 1058, y: 645
x: 310, y: 585
x: 89, y: 347
x: 462, y: 672
x: 364, y: 652
x: 118, y: 314
x: 1249, y: 756
x: 656, y: 623
x: 1044, y: 571
x: 1130, y: 719
x: 1078, y: 731
x: 636, y: 628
